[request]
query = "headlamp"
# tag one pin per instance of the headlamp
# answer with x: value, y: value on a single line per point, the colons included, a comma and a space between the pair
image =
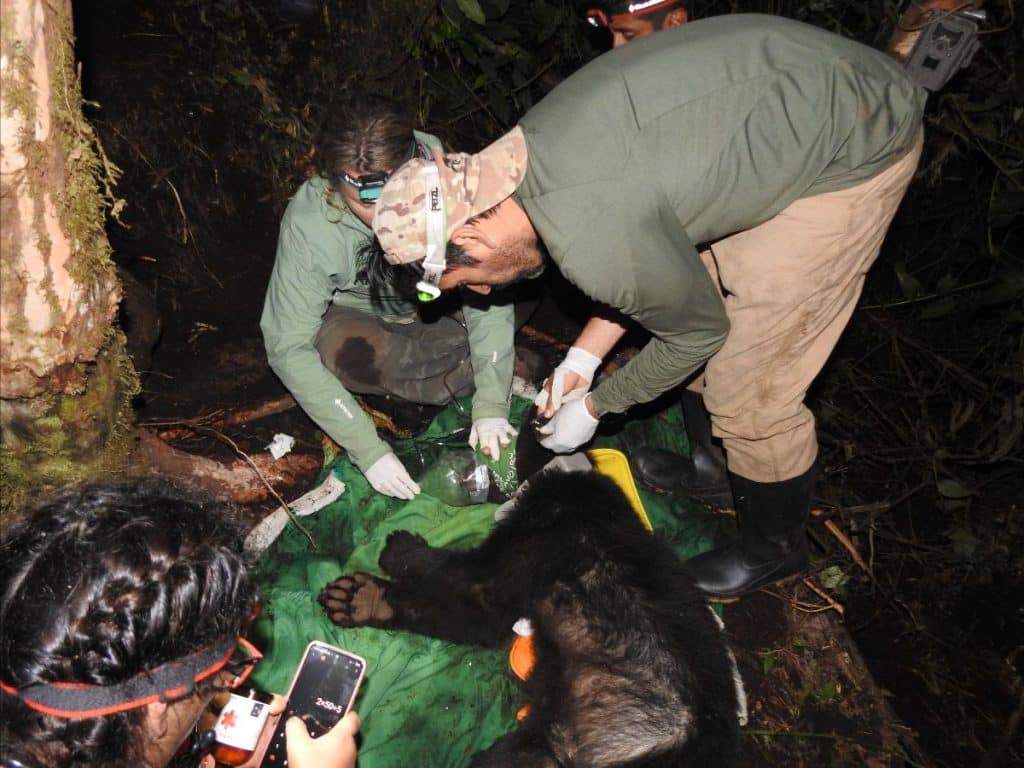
x: 429, y: 288
x: 368, y: 185
x: 599, y: 18
x: 167, y: 682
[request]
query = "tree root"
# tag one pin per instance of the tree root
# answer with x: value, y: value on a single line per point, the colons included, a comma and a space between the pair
x: 243, y: 481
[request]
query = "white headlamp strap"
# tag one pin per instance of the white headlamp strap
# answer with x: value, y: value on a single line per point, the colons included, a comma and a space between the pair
x: 429, y: 288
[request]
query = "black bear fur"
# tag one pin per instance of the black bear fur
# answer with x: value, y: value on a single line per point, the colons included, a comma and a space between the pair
x: 631, y: 668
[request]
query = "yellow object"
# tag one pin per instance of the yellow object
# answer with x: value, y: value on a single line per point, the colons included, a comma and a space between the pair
x: 614, y: 464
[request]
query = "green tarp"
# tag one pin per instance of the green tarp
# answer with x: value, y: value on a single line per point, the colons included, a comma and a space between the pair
x: 424, y: 702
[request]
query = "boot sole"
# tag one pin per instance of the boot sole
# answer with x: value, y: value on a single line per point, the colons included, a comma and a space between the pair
x: 733, y: 596
x: 730, y: 599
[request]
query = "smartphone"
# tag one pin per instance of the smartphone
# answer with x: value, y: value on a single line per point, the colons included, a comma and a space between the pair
x: 322, y: 691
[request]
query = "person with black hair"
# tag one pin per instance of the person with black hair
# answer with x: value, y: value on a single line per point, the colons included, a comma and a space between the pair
x: 628, y: 20
x: 328, y: 335
x: 122, y: 609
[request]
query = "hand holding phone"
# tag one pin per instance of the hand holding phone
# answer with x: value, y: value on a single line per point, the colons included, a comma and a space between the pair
x: 335, y: 749
x: 321, y: 693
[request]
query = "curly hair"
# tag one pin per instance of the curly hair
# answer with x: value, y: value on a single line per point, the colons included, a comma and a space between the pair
x: 103, y: 582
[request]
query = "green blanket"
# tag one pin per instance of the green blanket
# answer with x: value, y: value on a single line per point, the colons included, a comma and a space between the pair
x: 423, y: 700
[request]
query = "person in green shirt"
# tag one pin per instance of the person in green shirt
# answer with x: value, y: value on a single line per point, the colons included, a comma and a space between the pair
x: 628, y: 20
x: 786, y: 147
x: 327, y: 334
x: 703, y: 474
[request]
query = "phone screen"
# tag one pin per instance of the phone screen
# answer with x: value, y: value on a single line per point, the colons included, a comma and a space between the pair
x: 322, y: 692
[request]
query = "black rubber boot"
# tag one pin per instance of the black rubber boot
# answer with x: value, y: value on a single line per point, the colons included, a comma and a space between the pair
x: 702, y: 475
x: 772, y: 520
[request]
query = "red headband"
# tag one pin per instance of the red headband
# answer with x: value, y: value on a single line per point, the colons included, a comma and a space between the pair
x: 172, y: 680
x: 599, y: 18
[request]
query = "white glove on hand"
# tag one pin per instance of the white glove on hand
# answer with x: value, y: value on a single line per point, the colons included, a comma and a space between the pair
x: 387, y: 475
x: 570, y: 427
x: 577, y: 360
x: 491, y: 434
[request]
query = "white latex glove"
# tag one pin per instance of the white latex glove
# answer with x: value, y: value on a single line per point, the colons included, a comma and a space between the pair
x: 387, y: 475
x: 570, y: 427
x: 578, y: 361
x: 491, y: 434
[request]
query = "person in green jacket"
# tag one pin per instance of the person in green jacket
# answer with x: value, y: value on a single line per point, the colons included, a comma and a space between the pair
x: 785, y: 147
x: 628, y: 20
x: 327, y: 334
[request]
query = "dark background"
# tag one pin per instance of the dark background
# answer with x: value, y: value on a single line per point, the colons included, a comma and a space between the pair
x: 208, y: 108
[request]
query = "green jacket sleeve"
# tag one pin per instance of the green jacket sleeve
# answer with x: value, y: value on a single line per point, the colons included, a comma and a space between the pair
x: 297, y: 297
x: 491, y: 332
x: 657, y: 279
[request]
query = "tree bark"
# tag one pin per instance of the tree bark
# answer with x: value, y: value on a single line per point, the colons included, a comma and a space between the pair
x: 65, y: 380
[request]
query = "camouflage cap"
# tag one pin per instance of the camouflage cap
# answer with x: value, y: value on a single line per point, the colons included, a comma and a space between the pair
x: 471, y: 184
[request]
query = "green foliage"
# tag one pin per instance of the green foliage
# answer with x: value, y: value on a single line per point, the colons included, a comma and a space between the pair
x: 214, y: 112
x: 834, y: 578
x: 826, y: 693
x: 490, y: 68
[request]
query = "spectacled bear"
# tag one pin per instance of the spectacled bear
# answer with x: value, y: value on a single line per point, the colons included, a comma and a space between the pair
x: 631, y: 668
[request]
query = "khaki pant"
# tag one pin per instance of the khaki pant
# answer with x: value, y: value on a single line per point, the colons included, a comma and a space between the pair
x: 790, y: 286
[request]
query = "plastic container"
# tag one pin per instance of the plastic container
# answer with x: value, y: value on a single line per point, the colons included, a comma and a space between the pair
x: 457, y: 478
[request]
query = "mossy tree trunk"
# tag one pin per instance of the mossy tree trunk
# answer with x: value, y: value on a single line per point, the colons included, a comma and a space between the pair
x: 65, y: 380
